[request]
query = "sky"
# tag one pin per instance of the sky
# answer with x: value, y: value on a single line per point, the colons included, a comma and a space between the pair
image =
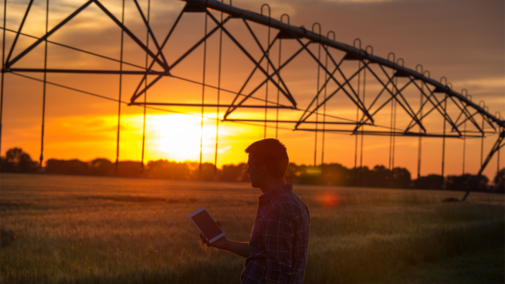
x: 461, y: 40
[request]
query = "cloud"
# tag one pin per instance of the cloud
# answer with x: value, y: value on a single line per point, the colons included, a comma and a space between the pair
x: 496, y: 82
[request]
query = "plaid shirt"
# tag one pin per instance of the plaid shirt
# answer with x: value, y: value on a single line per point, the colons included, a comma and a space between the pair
x: 279, y: 239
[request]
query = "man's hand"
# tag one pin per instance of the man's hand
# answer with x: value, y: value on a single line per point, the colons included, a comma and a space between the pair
x: 238, y: 248
x: 222, y: 243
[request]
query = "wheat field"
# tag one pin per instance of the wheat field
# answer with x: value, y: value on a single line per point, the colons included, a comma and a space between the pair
x: 77, y: 229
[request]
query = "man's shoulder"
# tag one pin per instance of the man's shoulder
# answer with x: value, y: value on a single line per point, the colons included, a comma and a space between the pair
x: 289, y: 198
x: 290, y: 205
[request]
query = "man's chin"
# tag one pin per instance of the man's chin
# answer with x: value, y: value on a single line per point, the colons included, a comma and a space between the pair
x: 255, y: 185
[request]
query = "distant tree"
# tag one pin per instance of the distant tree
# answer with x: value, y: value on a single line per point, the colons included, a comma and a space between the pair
x: 429, y: 182
x: 499, y: 181
x: 205, y: 172
x: 67, y: 167
x: 292, y: 173
x: 401, y: 178
x: 167, y: 170
x: 128, y: 168
x: 335, y: 174
x: 309, y: 174
x: 14, y: 155
x: 463, y: 182
x: 101, y: 167
x: 234, y: 172
x: 362, y: 176
x: 380, y: 176
x: 18, y: 161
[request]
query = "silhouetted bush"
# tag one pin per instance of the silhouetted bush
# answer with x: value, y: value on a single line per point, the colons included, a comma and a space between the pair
x: 129, y: 168
x: 335, y: 174
x: 292, y: 173
x: 429, y: 182
x: 327, y: 174
x: 309, y: 175
x: 101, y: 167
x: 401, y: 178
x: 381, y: 176
x: 206, y: 171
x: 463, y: 182
x: 167, y: 170
x: 67, y: 167
x: 234, y: 172
x: 17, y: 161
x: 499, y: 181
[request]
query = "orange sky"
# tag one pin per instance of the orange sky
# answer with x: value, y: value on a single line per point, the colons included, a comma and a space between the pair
x: 463, y: 40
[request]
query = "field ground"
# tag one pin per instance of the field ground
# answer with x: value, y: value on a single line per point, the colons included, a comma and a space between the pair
x: 485, y: 266
x: 70, y: 229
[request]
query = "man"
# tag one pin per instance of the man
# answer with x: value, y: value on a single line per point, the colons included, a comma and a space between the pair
x: 277, y: 249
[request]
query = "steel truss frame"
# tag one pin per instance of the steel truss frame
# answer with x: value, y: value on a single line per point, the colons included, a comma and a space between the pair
x: 303, y: 39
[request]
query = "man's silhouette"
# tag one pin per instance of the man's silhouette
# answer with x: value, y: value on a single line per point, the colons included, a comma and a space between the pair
x: 277, y: 249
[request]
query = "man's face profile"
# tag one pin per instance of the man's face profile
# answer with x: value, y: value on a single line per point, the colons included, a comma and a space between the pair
x: 255, y: 171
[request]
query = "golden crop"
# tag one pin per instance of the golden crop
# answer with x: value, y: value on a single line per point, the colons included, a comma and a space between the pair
x: 69, y: 229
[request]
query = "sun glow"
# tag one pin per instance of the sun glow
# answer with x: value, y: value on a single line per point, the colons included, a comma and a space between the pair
x: 177, y: 136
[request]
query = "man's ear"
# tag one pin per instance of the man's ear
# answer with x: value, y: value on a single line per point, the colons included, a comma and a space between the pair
x: 263, y: 170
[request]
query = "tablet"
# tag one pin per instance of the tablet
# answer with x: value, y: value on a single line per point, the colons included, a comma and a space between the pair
x: 206, y: 224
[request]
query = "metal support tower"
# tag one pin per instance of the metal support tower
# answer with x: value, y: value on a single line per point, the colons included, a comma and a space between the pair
x: 338, y: 78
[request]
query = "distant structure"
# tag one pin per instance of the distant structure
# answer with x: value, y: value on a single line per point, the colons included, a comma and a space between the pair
x: 343, y: 73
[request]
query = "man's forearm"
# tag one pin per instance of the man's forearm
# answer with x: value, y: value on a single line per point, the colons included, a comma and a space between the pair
x: 238, y: 248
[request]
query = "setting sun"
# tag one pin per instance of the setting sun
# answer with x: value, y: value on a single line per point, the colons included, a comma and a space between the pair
x: 178, y: 136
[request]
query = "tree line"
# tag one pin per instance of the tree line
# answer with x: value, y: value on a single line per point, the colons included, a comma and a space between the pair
x: 18, y: 161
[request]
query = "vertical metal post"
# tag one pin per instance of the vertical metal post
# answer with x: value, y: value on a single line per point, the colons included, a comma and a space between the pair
x: 391, y: 122
x: 218, y: 94
x: 325, y: 95
x: 357, y: 113
x: 268, y: 67
x: 394, y: 132
x: 482, y: 143
x: 498, y: 160
x: 443, y: 141
x: 317, y: 96
x: 41, y: 159
x: 391, y: 136
x: 357, y: 117
x: 203, y: 92
x: 278, y: 92
x: 145, y: 93
x: 420, y: 144
x: 363, y: 126
x: 3, y: 74
x: 464, y: 148
x: 394, y: 107
x: 120, y: 91
x: 278, y: 81
x: 464, y: 134
x: 324, y: 107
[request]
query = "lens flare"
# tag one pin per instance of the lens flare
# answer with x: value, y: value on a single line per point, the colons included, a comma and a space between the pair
x: 329, y: 199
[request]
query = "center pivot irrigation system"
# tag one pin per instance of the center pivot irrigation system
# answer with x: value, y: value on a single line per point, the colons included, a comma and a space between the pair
x: 425, y: 107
